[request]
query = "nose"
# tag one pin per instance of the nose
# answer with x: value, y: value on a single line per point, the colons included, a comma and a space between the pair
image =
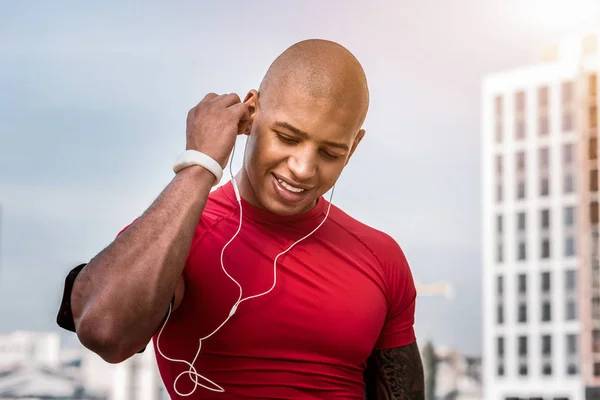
x: 303, y: 164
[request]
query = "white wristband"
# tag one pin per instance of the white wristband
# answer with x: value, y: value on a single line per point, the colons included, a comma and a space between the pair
x: 193, y: 157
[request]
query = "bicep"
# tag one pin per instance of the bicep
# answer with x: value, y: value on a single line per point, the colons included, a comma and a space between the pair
x: 400, y: 373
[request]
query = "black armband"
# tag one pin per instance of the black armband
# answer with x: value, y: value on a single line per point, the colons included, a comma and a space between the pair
x: 64, y: 319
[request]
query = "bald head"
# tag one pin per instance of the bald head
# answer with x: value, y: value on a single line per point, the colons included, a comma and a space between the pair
x: 321, y: 69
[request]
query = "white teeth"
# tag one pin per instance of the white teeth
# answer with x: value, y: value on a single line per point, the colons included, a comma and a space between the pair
x: 289, y: 187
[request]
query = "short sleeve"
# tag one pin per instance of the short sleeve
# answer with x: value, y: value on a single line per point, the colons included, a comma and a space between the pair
x: 398, y: 329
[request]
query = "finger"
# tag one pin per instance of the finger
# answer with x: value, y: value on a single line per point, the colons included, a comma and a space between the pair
x: 229, y: 100
x: 242, y: 112
x: 244, y: 127
x: 209, y: 97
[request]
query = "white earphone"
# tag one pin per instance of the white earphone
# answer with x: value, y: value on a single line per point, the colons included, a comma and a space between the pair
x: 194, y: 375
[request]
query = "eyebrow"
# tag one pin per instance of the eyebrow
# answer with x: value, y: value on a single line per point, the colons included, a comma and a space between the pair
x: 303, y: 134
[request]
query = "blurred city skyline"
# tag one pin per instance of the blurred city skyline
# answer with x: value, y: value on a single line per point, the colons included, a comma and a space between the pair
x: 92, y: 114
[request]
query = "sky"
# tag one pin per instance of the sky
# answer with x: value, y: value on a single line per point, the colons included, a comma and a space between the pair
x: 94, y: 97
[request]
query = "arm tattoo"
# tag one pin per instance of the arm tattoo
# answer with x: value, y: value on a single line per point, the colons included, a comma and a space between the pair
x: 400, y: 374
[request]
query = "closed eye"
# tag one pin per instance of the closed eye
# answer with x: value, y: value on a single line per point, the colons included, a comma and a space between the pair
x: 330, y: 155
x: 286, y: 139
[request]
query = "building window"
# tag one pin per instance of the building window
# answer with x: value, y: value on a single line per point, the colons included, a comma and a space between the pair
x: 545, y: 282
x: 500, y: 285
x: 521, y: 190
x: 499, y: 229
x: 521, y: 222
x: 522, y: 251
x: 544, y: 156
x: 596, y: 340
x: 522, y: 313
x: 567, y: 93
x: 593, y: 148
x: 572, y: 369
x: 522, y: 355
x: 521, y: 165
x: 544, y: 125
x: 545, y: 248
x: 520, y: 115
x: 571, y: 281
x: 594, y: 212
x: 521, y: 162
x: 500, y: 314
x: 523, y: 370
x: 544, y: 186
x: 569, y: 183
x: 571, y: 345
x: 500, y: 347
x: 596, y: 308
x: 567, y: 96
x: 522, y: 346
x: 543, y: 95
x: 597, y: 369
x: 499, y: 112
x: 522, y: 283
x: 569, y: 246
x: 571, y: 311
x: 594, y: 180
x: 568, y: 154
x: 544, y: 160
x: 546, y: 345
x: 500, y: 370
x: 499, y: 168
x: 547, y: 368
x: 545, y: 218
x: 572, y: 356
x: 569, y: 216
x: 546, y: 311
x: 567, y: 121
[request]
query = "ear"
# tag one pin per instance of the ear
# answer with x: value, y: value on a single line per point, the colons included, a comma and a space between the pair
x: 359, y: 136
x: 251, y: 101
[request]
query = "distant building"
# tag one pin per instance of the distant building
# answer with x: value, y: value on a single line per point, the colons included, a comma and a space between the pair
x: 32, y: 348
x: 541, y: 266
x: 134, y: 379
x: 457, y: 376
x: 33, y: 365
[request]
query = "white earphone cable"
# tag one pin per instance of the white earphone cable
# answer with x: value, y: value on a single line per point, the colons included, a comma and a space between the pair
x: 194, y: 375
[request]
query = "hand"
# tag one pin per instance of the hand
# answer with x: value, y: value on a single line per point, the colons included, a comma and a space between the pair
x: 214, y: 123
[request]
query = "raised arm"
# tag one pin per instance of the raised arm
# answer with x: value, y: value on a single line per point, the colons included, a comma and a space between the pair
x: 399, y: 373
x: 121, y: 296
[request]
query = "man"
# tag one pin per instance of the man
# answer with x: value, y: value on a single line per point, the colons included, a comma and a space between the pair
x: 342, y: 295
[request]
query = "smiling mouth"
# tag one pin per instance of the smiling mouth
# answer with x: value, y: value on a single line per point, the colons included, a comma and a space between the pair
x: 289, y: 187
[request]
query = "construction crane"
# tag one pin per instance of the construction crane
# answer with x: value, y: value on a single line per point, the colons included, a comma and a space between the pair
x: 435, y: 289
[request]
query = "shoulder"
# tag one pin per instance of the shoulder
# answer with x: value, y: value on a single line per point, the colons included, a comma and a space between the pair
x: 392, y: 261
x: 219, y: 203
x: 384, y: 247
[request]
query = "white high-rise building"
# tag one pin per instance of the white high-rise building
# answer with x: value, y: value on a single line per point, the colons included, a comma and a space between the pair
x: 541, y: 266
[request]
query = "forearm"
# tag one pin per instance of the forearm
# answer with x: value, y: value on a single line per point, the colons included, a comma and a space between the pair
x: 400, y: 374
x: 120, y: 297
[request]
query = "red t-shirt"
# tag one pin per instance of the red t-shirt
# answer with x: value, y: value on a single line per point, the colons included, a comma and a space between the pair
x: 341, y: 293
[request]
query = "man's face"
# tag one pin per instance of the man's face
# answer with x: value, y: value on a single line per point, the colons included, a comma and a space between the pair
x: 297, y: 149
